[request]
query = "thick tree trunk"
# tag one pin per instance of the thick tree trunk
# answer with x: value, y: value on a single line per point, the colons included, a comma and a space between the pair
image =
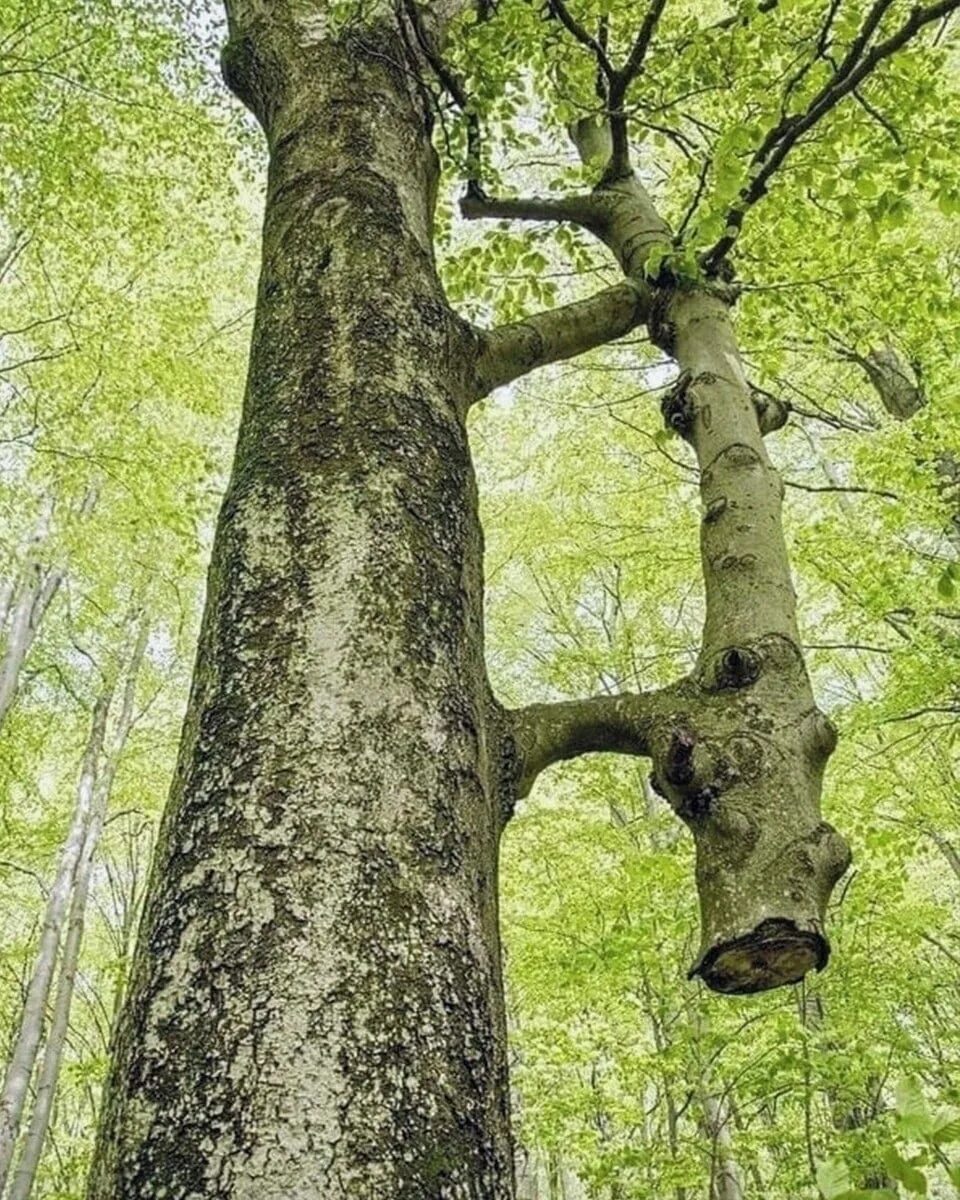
x: 316, y: 1004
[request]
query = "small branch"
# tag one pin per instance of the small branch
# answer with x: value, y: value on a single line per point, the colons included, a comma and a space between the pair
x: 856, y: 66
x: 862, y: 646
x: 641, y: 45
x: 558, y: 9
x: 454, y: 86
x: 878, y: 117
x: 513, y: 350
x: 953, y: 709
x: 805, y: 487
x: 549, y: 733
x: 697, y: 197
x: 928, y: 937
x: 619, y: 85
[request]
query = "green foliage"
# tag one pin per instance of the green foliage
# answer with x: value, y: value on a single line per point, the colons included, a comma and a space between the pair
x: 127, y: 270
x: 124, y: 310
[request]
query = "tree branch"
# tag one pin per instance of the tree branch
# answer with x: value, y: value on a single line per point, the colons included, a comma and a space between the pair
x: 856, y: 66
x: 580, y: 210
x: 865, y: 491
x: 558, y: 9
x: 455, y: 87
x: 549, y: 733
x: 619, y: 84
x: 510, y: 351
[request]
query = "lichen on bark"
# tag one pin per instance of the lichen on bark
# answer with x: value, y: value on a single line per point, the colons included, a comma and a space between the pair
x: 316, y: 1008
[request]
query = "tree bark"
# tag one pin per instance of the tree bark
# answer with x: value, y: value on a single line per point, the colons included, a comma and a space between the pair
x: 24, y: 1055
x: 316, y: 1006
x: 739, y: 746
x: 26, y: 606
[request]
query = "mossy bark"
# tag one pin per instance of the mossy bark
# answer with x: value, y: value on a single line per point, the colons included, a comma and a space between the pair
x: 316, y: 1006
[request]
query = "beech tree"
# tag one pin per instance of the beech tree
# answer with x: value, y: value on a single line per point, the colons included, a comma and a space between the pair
x: 316, y: 1007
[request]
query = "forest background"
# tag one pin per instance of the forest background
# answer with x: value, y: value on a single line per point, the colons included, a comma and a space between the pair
x: 129, y: 205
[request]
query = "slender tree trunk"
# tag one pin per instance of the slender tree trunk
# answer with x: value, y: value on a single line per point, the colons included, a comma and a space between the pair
x: 23, y: 1057
x: 28, y: 605
x: 8, y: 589
x: 23, y: 1178
x: 316, y: 1006
x: 725, y: 1179
x: 844, y: 1114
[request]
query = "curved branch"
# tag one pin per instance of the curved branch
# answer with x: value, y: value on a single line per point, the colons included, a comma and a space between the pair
x: 549, y: 733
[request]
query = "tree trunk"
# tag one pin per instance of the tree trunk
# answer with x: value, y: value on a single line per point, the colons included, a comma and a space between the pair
x: 739, y: 746
x: 27, y: 605
x: 22, y: 1184
x: 23, y: 1057
x: 315, y: 1009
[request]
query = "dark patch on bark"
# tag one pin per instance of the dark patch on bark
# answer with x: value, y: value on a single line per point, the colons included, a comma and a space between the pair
x: 254, y: 75
x: 733, y: 668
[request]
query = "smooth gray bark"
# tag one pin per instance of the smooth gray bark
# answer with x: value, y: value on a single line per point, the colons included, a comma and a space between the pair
x: 21, y: 1185
x: 739, y: 746
x: 30, y: 1031
x: 27, y: 606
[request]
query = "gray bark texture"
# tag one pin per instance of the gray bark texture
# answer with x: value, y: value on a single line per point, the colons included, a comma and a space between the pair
x: 316, y: 1005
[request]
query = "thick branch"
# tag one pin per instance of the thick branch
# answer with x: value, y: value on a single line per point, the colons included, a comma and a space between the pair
x: 549, y: 733
x: 510, y: 351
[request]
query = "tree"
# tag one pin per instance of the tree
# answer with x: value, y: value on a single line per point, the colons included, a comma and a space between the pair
x: 316, y: 1007
x: 113, y: 358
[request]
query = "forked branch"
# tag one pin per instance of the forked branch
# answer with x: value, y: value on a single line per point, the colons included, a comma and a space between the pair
x: 857, y: 64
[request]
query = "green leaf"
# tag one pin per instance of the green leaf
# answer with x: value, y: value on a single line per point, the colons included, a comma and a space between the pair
x: 899, y: 1169
x: 910, y: 1100
x: 833, y: 1178
x: 655, y: 256
x: 946, y: 1126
